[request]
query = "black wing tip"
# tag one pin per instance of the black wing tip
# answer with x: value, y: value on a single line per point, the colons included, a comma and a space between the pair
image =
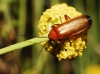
x: 89, y: 19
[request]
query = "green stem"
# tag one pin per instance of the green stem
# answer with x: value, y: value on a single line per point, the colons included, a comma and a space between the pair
x: 22, y: 44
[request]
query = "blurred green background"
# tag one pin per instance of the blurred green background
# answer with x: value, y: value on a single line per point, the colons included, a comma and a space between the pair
x: 18, y: 22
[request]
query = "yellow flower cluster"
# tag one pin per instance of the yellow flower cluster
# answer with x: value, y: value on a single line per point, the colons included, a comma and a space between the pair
x: 55, y: 15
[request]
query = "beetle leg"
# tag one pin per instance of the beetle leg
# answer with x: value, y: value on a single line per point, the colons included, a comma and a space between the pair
x: 66, y: 17
x: 68, y: 41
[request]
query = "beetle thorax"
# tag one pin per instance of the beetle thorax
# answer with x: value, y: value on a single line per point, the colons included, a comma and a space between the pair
x: 52, y: 35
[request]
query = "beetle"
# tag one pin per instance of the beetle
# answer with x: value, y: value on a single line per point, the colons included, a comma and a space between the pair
x: 70, y: 28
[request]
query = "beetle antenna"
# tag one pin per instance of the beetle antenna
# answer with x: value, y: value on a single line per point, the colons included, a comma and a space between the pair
x: 31, y: 36
x: 25, y: 35
x: 41, y: 37
x: 60, y: 19
x: 39, y: 55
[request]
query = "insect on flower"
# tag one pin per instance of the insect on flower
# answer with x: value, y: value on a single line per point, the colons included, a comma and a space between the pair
x: 67, y: 30
x: 71, y: 27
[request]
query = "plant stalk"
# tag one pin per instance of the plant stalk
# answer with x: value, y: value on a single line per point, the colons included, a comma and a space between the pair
x: 22, y: 44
